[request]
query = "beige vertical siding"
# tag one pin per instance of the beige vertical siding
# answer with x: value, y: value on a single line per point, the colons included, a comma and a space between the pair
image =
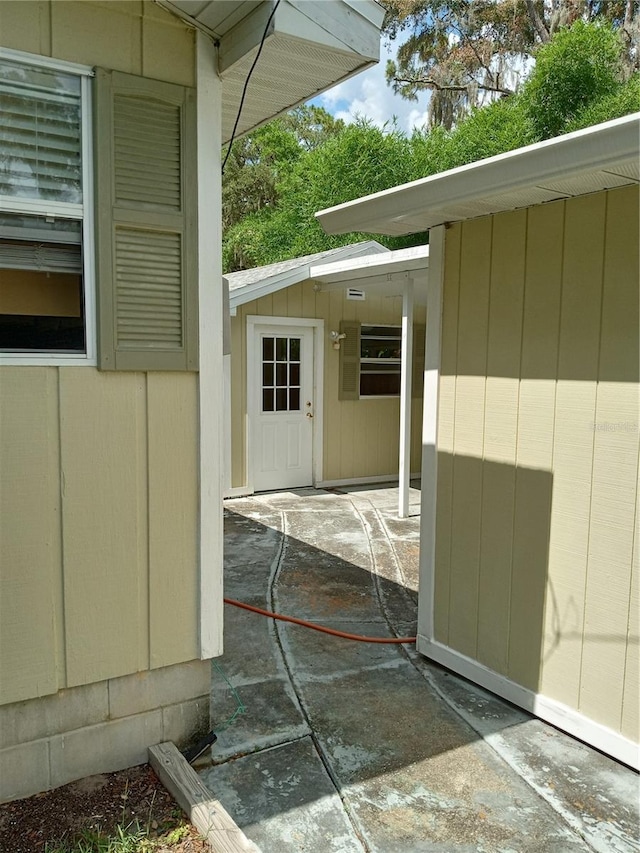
x: 360, y: 437
x: 98, y: 471
x: 538, y: 451
x: 172, y: 442
x: 134, y: 36
x: 30, y: 537
x: 98, y: 525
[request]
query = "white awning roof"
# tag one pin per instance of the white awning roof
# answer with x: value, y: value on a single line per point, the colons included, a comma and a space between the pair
x: 381, y: 274
x: 247, y: 285
x: 589, y: 160
x: 310, y: 46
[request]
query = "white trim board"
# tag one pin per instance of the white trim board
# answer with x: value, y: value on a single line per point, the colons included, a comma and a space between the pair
x: 237, y: 492
x: 547, y: 709
x: 245, y: 491
x: 364, y: 481
x: 210, y: 377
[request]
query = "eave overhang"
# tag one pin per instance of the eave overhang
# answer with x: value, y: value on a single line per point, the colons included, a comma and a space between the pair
x: 382, y: 275
x: 596, y: 158
x: 268, y: 282
x: 310, y: 46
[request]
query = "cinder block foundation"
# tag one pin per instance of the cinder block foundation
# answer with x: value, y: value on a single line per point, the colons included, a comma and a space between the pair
x: 99, y: 728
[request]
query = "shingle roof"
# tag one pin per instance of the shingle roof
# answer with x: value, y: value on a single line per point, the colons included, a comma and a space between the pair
x: 246, y: 285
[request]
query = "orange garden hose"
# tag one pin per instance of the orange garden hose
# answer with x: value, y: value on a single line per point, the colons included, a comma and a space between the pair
x: 322, y: 628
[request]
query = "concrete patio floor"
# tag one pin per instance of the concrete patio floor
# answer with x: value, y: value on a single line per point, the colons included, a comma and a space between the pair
x: 347, y: 747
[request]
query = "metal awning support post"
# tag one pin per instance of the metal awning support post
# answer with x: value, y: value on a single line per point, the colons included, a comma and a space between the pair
x: 405, y: 398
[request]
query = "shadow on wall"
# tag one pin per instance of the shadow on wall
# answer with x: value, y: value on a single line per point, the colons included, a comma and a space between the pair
x: 492, y: 563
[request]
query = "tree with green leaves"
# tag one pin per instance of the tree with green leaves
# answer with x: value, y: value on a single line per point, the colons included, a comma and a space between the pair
x: 471, y: 52
x: 357, y: 160
x: 578, y: 80
x: 258, y: 162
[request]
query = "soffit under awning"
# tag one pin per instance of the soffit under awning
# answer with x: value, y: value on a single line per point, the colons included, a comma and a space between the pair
x: 380, y: 275
x: 310, y: 46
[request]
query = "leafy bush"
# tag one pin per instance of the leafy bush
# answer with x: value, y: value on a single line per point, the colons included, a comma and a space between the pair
x: 579, y: 66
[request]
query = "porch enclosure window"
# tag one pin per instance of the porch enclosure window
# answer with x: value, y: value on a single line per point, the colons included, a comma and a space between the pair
x: 281, y: 374
x: 371, y: 360
x: 380, y: 360
x: 42, y: 297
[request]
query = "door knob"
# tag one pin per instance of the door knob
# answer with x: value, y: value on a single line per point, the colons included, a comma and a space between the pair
x: 309, y: 415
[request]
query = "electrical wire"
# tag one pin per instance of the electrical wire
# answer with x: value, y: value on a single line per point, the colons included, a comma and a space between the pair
x: 241, y: 708
x: 246, y: 82
x: 357, y: 637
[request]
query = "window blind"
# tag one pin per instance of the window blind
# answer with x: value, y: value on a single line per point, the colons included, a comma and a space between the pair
x: 42, y: 257
x: 40, y: 134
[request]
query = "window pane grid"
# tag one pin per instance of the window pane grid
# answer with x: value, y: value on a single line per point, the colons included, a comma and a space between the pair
x: 280, y: 374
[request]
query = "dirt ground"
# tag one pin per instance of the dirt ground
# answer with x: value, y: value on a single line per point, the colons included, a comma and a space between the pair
x: 97, y: 803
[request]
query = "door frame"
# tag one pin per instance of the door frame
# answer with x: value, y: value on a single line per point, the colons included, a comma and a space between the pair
x: 317, y: 326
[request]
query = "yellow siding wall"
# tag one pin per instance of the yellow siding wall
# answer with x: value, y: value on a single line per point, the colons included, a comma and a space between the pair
x: 536, y: 573
x: 134, y: 36
x: 360, y: 438
x: 98, y: 471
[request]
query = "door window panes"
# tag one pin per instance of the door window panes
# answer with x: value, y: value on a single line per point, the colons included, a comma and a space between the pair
x: 281, y: 374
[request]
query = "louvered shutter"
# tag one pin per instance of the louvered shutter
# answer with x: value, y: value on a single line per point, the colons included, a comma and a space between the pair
x: 349, y: 383
x: 419, y: 338
x: 146, y: 223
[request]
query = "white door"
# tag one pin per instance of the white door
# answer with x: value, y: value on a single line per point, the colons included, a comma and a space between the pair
x: 282, y: 407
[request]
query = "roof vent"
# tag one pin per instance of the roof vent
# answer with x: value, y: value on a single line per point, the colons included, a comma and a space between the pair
x: 356, y: 295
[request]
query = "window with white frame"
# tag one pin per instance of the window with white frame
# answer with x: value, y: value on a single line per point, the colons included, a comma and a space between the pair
x: 380, y: 360
x: 45, y: 233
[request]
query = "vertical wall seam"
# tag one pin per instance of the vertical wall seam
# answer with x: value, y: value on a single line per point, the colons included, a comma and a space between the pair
x: 455, y: 398
x: 484, y: 432
x: 142, y: 17
x: 63, y: 622
x: 555, y: 415
x: 517, y: 439
x: 593, y: 452
x: 634, y: 539
x: 147, y: 492
x: 49, y: 14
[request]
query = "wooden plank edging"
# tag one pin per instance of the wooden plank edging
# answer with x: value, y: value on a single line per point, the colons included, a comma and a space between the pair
x: 205, y: 812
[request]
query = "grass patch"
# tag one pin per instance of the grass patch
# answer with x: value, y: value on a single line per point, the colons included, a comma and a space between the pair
x: 128, y: 839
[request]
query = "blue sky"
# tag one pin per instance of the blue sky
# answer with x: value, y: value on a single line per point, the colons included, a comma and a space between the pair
x: 367, y: 94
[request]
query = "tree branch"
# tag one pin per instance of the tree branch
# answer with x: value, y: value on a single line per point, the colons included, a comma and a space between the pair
x: 443, y: 87
x: 537, y: 21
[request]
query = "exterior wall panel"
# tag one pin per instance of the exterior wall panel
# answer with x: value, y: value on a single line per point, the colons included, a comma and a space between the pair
x: 98, y: 472
x: 466, y: 515
x: 104, y: 521
x: 360, y: 438
x: 538, y: 452
x: 173, y: 516
x: 30, y: 544
x: 504, y: 347
x: 132, y: 36
x: 616, y: 447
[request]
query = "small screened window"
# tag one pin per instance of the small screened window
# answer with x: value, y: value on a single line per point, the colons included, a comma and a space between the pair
x: 380, y: 360
x: 42, y: 210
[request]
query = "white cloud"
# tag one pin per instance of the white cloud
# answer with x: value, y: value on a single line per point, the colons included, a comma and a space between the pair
x: 368, y: 95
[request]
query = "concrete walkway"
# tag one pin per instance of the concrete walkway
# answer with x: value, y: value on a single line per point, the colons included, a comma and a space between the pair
x: 347, y: 747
